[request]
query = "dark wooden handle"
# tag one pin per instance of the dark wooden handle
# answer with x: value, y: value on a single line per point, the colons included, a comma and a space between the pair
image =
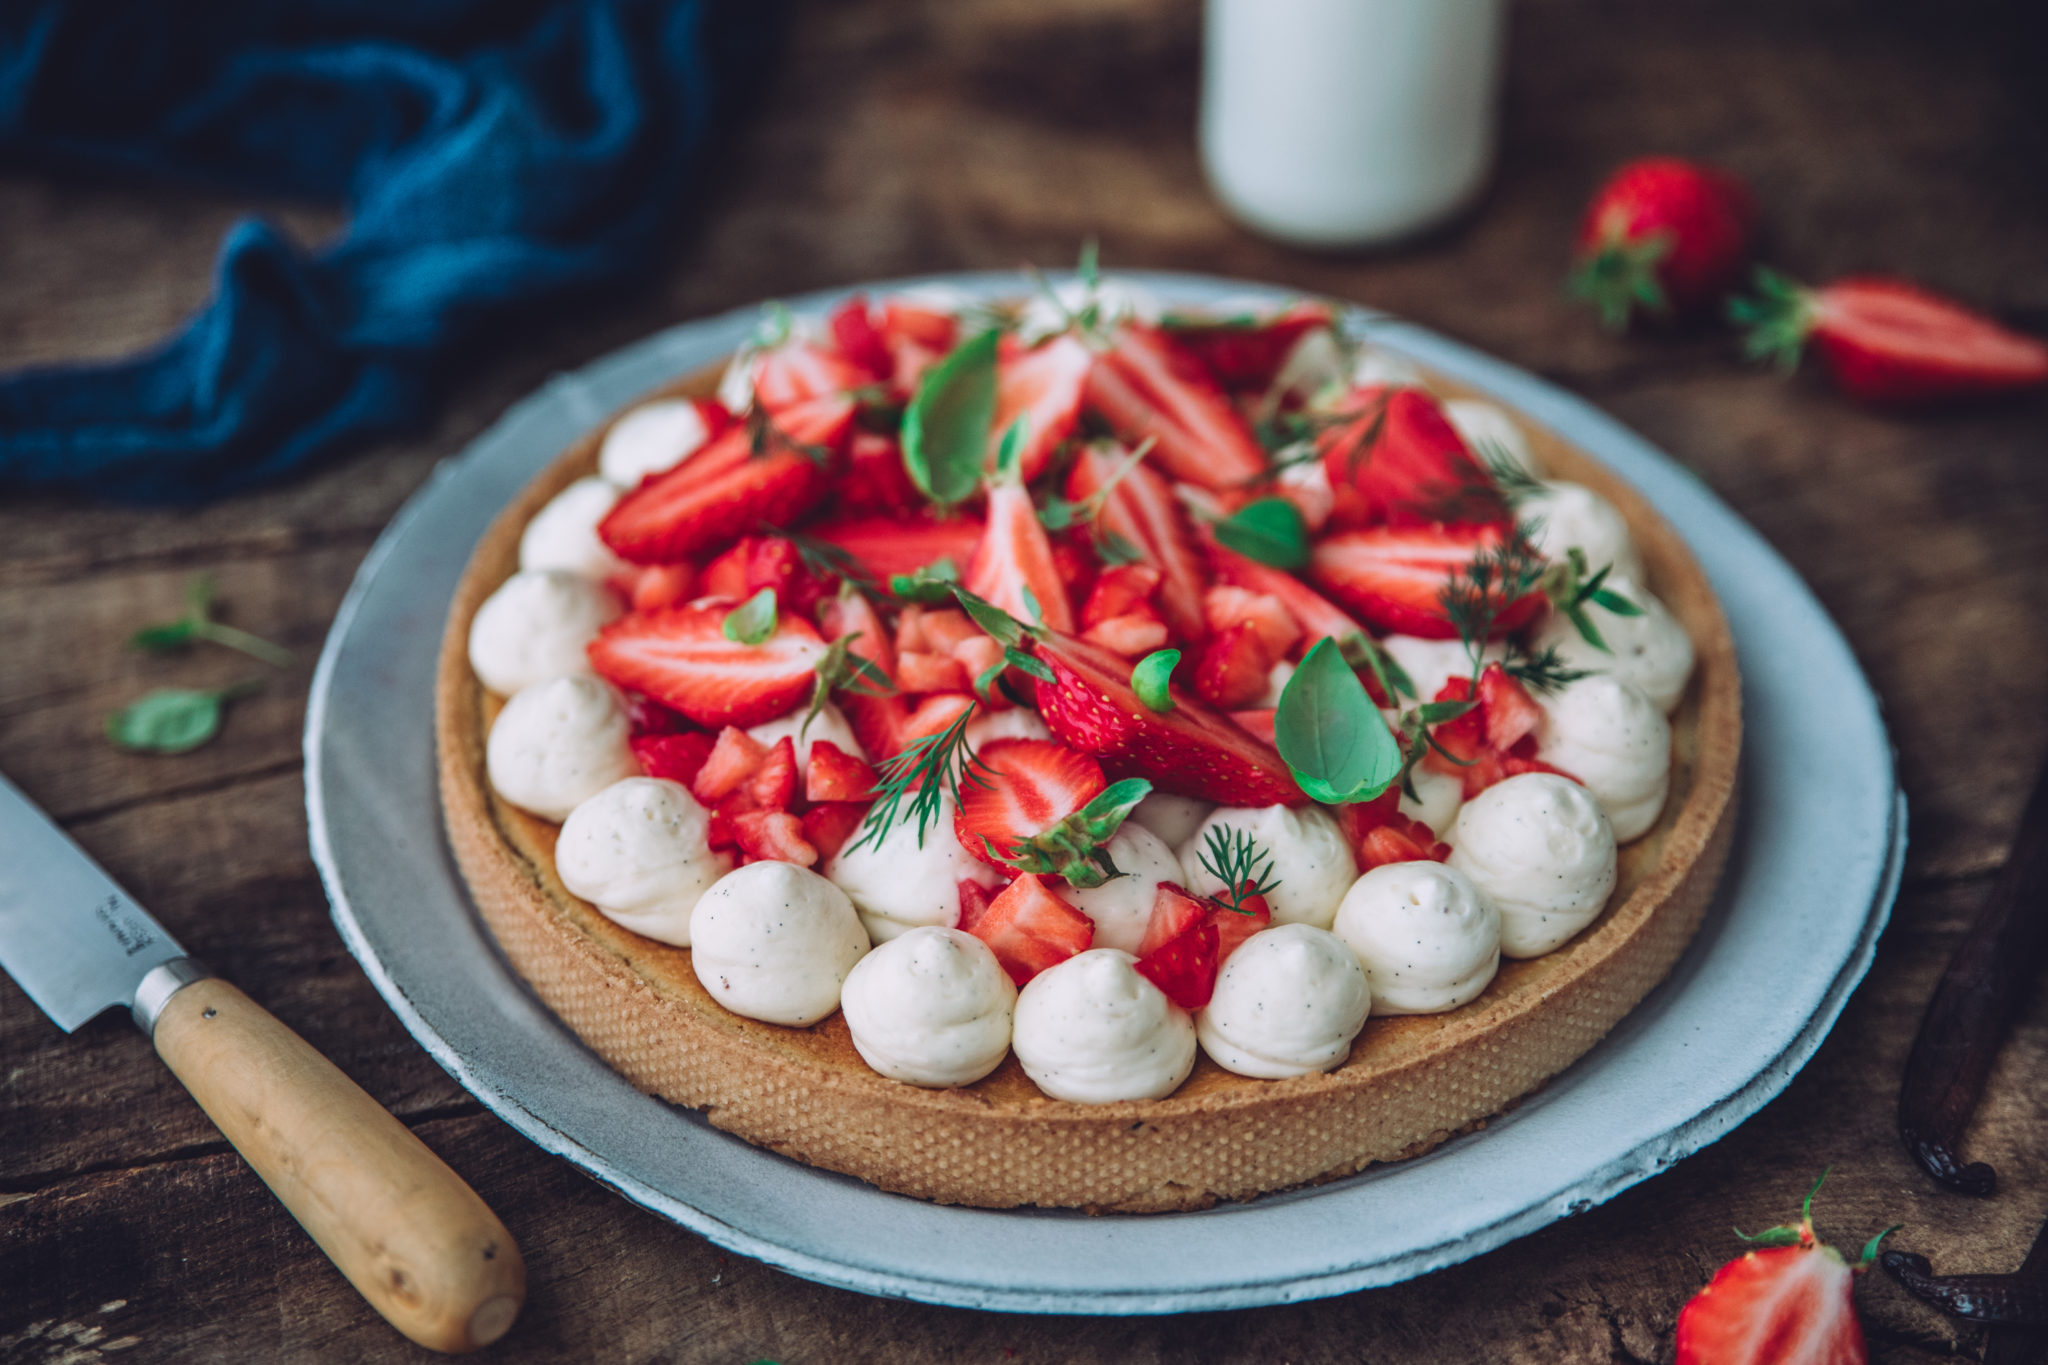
x: 407, y: 1232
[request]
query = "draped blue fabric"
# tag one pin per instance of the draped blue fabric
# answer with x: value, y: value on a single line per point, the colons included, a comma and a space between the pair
x: 491, y: 155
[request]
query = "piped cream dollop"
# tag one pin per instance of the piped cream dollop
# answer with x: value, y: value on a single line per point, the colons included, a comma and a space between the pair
x: 1650, y: 650
x: 1287, y: 1002
x: 536, y: 627
x: 1428, y: 940
x: 1437, y: 798
x: 1540, y: 849
x: 774, y: 941
x: 1311, y: 859
x: 1611, y: 737
x: 932, y: 1007
x: 557, y: 744
x: 1491, y: 432
x: 1173, y: 818
x: 1569, y: 514
x: 1122, y: 906
x: 1430, y: 664
x: 1093, y: 1031
x: 830, y: 723
x: 653, y: 437
x: 902, y: 883
x: 637, y: 851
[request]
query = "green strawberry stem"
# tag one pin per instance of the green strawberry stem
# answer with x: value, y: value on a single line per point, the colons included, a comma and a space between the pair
x: 1778, y: 318
x: 1074, y: 848
x: 1619, y: 276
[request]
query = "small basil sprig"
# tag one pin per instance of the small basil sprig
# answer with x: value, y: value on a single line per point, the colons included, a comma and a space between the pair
x: 1269, y: 530
x: 1331, y: 735
x: 173, y: 720
x: 198, y: 624
x: 1570, y: 587
x: 946, y: 426
x: 752, y: 621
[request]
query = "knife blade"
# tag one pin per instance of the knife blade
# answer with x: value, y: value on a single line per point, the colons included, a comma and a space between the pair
x: 407, y: 1232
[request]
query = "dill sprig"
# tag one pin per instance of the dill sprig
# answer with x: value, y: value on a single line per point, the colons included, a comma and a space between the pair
x: 1541, y: 670
x: 1571, y: 588
x: 1496, y: 578
x: 1241, y: 863
x: 823, y: 558
x: 1516, y: 484
x: 922, y: 775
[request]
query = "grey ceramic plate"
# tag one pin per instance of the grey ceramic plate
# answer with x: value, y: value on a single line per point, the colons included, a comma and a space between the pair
x: 1815, y: 864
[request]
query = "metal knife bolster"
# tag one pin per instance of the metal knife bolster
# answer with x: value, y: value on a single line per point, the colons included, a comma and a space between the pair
x: 162, y: 982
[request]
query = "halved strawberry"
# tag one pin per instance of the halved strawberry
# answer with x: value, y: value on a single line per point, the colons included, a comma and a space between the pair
x: 1018, y: 803
x: 734, y: 758
x: 1394, y: 577
x: 829, y: 825
x: 1030, y: 929
x: 1145, y: 385
x: 1014, y: 557
x: 886, y: 546
x: 1232, y: 671
x: 1245, y: 356
x: 1184, y: 967
x: 1132, y: 635
x: 1190, y: 750
x: 1403, y: 456
x: 675, y: 757
x: 766, y: 834
x: 1142, y: 510
x: 801, y: 372
x: 1121, y: 589
x: 1042, y: 385
x: 836, y: 775
x: 682, y: 658
x: 1225, y: 606
x: 706, y: 502
x: 1320, y: 618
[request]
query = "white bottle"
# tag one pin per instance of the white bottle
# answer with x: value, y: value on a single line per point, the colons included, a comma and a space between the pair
x: 1333, y: 123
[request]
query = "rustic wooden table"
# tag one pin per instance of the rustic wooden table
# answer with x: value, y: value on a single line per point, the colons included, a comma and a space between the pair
x: 905, y: 137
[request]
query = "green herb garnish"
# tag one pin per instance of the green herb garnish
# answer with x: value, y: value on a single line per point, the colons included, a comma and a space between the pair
x: 1329, y: 732
x: 946, y: 426
x: 752, y: 621
x: 925, y: 772
x: 1233, y: 857
x: 1269, y: 530
x: 173, y: 720
x: 198, y: 624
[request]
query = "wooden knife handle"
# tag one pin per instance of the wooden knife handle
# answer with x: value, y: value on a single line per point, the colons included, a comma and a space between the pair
x: 410, y: 1235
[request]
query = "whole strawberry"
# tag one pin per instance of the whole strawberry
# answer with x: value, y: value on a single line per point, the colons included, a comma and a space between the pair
x: 1663, y: 235
x: 1788, y: 1302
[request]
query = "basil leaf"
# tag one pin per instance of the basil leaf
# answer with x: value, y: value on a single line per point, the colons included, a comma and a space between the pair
x: 1025, y: 663
x: 1615, y: 602
x: 164, y: 638
x: 752, y: 621
x: 1150, y: 677
x: 930, y: 585
x: 946, y: 426
x: 1330, y: 733
x: 1006, y: 629
x: 174, y: 720
x: 1270, y: 531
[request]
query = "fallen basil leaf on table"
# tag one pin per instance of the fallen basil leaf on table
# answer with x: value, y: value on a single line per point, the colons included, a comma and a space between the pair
x: 198, y: 624
x: 172, y: 720
x: 1330, y: 733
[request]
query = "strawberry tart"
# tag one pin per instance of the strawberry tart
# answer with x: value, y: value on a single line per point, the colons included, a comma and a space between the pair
x: 1072, y: 754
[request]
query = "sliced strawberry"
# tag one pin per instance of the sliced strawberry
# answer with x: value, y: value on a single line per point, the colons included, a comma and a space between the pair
x: 660, y: 585
x: 726, y: 490
x: 681, y: 658
x: 726, y: 574
x: 1246, y: 356
x: 1030, y: 929
x: 977, y: 656
x: 1403, y: 456
x: 1233, y: 927
x: 773, y: 562
x: 674, y: 757
x: 829, y: 825
x: 1145, y: 385
x: 836, y: 775
x: 1118, y: 590
x: 1043, y: 386
x: 1319, y: 617
x: 1190, y: 750
x: 765, y: 834
x: 730, y: 762
x: 1131, y: 635
x: 800, y: 372
x: 1184, y: 967
x: 886, y: 546
x: 1394, y: 577
x: 859, y: 340
x: 1019, y: 790
x: 1142, y: 510
x: 974, y: 903
x: 774, y: 784
x: 1509, y: 710
x: 1258, y: 721
x: 917, y: 671
x: 1225, y: 606
x: 875, y: 480
x: 1232, y: 671
x: 1014, y: 557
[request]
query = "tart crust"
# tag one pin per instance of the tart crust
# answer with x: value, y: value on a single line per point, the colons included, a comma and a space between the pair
x: 1410, y: 1083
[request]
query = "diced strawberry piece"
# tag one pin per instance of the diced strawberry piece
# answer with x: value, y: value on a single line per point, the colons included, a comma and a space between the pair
x: 1075, y: 560
x: 1318, y: 617
x: 932, y: 715
x: 853, y: 615
x: 1015, y: 558
x: 646, y: 716
x: 829, y: 825
x: 1400, y: 840
x: 661, y: 585
x: 886, y: 726
x: 1142, y: 510
x: 1017, y: 790
x: 799, y: 372
x: 974, y: 903
x: 719, y: 832
x: 726, y: 574
x: 1030, y: 929
x: 681, y: 658
x: 1145, y: 385
x: 1119, y: 590
x: 1233, y: 927
x: 1395, y: 577
x: 1225, y: 606
x: 886, y: 546
x: 772, y: 562
x: 1174, y: 912
x: 1191, y: 750
x: 726, y: 490
x: 836, y: 775
x: 764, y: 834
x: 1246, y: 358
x: 1403, y: 456
x: 1473, y: 759
x: 1509, y: 709
x: 773, y: 785
x: 1043, y: 386
x: 1184, y: 967
x: 1257, y: 721
x: 917, y: 337
x: 910, y: 631
x: 875, y: 480
x: 675, y: 757
x: 977, y: 654
x: 859, y: 340
x: 920, y: 672
x: 1131, y: 635
x: 1232, y: 671
x: 731, y: 761
x: 947, y: 628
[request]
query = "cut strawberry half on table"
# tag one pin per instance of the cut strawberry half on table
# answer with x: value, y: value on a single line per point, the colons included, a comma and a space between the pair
x: 1394, y: 577
x: 1043, y: 386
x: 1142, y: 510
x: 682, y: 658
x: 1015, y: 558
x: 1019, y: 803
x: 1407, y: 462
x: 886, y: 546
x: 1145, y: 385
x: 1030, y: 929
x: 672, y: 757
x: 726, y: 490
x: 1246, y: 355
x: 1889, y: 342
x: 1191, y: 750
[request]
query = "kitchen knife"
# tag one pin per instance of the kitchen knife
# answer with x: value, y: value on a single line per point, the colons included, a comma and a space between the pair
x: 407, y: 1232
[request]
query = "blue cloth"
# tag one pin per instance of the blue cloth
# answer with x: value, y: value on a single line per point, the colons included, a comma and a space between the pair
x: 492, y: 156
